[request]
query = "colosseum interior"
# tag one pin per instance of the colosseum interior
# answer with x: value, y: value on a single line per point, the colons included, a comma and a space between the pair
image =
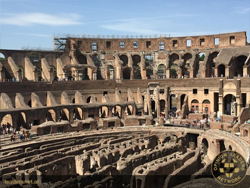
x: 124, y: 112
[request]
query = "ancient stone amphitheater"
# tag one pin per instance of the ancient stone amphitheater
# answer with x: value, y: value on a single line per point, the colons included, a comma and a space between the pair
x: 97, y: 113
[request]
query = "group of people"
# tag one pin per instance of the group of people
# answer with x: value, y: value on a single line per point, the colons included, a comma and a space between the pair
x: 22, y: 136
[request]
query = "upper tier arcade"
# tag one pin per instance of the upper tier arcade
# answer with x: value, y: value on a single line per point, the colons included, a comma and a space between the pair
x: 237, y: 39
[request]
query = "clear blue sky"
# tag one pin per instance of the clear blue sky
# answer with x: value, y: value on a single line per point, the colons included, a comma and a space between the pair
x: 32, y: 23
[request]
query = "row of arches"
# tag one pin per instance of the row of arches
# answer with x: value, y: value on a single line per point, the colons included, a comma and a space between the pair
x: 178, y: 65
x: 24, y: 119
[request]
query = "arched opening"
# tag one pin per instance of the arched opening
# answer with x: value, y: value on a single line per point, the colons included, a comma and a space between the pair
x: 98, y: 65
x: 186, y: 65
x: 111, y: 72
x: 103, y: 112
x: 237, y: 67
x: 194, y: 106
x: 206, y: 106
x: 89, y: 99
x: 55, y: 78
x: 201, y: 56
x: 222, y: 145
x: 68, y: 75
x: 129, y: 110
x: 161, y: 73
x: 154, y: 113
x: 51, y: 115
x: 173, y: 102
x: 210, y: 66
x: 30, y: 104
x: 245, y: 133
x: 230, y: 147
x: 64, y: 114
x: 21, y: 72
x: 136, y: 66
x: 81, y: 59
x: 148, y: 65
x: 21, y: 121
x: 83, y: 74
x: 124, y: 59
x: 162, y: 106
x: 126, y: 73
x: 204, y: 145
x: 6, y: 122
x: 116, y: 111
x: 221, y: 70
x: 36, y: 61
x: 182, y: 100
x: 173, y: 65
x: 229, y: 102
x: 77, y: 113
x: 2, y: 57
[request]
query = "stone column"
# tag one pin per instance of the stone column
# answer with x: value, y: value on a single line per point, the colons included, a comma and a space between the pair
x: 191, y: 73
x: 71, y: 113
x: 239, y: 105
x: 168, y: 73
x: 221, y: 106
x: 244, y: 70
x: 216, y: 71
x: 226, y: 72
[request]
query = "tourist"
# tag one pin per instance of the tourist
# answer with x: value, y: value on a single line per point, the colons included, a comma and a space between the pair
x: 21, y: 137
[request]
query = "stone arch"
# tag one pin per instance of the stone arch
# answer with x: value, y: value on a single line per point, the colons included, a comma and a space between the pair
x: 221, y: 70
x: 77, y: 113
x: 174, y: 59
x: 229, y: 102
x: 162, y: 105
x: 103, y: 111
x: 117, y: 111
x: 7, y: 120
x: 84, y: 73
x: 111, y: 72
x: 64, y: 114
x: 2, y: 57
x: 21, y: 72
x: 206, y: 106
x: 98, y: 65
x: 161, y: 73
x: 21, y: 120
x: 136, y: 66
x: 35, y: 59
x: 89, y: 99
x: 186, y: 64
x: 236, y: 69
x: 126, y: 73
x: 204, y: 145
x: 124, y: 59
x: 174, y: 65
x: 194, y: 105
x: 82, y: 59
x: 173, y: 102
x: 55, y: 78
x: 129, y: 109
x: 149, y: 65
x: 210, y: 66
x: 51, y: 115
